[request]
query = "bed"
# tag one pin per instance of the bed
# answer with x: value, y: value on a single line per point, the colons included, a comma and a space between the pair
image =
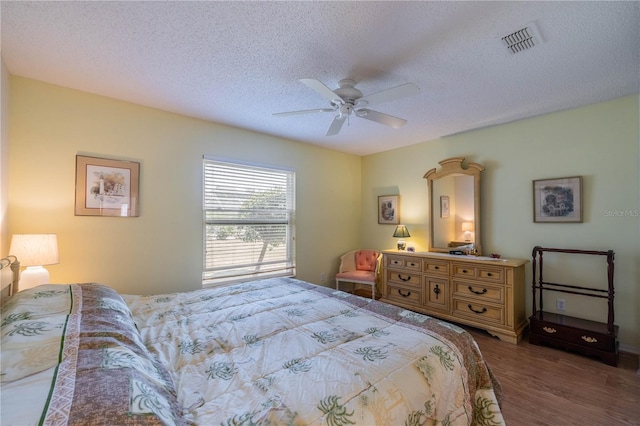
x: 269, y: 352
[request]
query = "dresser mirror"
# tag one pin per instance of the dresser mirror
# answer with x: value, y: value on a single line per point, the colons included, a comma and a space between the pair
x: 454, y: 206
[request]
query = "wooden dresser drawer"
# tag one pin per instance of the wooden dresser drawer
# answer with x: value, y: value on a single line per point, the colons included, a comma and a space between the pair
x: 478, y: 311
x: 402, y: 262
x: 403, y: 278
x: 435, y: 267
x: 464, y: 270
x: 412, y: 295
x: 494, y: 275
x: 484, y: 273
x: 479, y: 290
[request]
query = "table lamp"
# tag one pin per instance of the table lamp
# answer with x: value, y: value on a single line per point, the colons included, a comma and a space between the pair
x: 34, y: 251
x: 401, y: 232
x: 467, y: 227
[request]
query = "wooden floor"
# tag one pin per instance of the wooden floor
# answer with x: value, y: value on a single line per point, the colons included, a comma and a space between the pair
x: 547, y: 386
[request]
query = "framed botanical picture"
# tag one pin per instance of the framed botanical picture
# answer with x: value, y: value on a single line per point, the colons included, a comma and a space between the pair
x: 388, y: 209
x: 444, y: 206
x: 106, y: 187
x: 557, y: 200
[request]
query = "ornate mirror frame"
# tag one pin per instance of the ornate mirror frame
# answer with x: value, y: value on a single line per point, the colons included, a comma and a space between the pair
x: 453, y: 167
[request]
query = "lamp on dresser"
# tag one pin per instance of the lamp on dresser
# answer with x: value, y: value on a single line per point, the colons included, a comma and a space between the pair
x: 35, y: 251
x: 467, y: 228
x: 401, y: 232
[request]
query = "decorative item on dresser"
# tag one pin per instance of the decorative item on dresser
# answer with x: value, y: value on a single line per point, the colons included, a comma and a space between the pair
x: 483, y: 292
x: 592, y: 338
x: 401, y: 232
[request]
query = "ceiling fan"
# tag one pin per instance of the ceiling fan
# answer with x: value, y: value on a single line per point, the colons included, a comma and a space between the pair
x: 346, y: 99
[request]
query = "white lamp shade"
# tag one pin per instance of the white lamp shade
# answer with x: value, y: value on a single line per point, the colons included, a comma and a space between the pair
x: 467, y: 226
x: 35, y: 249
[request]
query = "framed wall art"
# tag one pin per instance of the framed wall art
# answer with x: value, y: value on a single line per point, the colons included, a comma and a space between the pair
x: 444, y: 206
x: 557, y: 200
x: 106, y: 187
x: 389, y: 209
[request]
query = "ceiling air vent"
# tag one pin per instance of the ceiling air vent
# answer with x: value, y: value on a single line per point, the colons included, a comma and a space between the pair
x: 522, y: 39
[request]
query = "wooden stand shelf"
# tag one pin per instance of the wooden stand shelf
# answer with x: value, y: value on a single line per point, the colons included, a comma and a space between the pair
x: 591, y: 338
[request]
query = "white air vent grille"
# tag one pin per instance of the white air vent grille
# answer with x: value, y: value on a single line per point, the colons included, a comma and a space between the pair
x: 522, y: 39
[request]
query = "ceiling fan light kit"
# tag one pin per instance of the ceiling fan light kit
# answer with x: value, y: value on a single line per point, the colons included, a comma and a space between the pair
x: 346, y: 99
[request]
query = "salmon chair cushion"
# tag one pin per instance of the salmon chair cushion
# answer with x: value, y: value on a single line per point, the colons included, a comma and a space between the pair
x: 359, y: 266
x: 366, y: 260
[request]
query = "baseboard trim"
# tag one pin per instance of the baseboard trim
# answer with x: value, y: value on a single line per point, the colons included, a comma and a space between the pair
x: 633, y: 350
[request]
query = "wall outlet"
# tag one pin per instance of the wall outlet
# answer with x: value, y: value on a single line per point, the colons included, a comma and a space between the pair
x: 323, y: 277
x: 561, y: 304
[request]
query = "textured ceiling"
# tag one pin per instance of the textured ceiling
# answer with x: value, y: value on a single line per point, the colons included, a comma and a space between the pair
x: 238, y: 62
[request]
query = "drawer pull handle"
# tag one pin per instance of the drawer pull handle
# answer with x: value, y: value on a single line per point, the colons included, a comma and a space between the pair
x: 477, y: 312
x: 549, y: 330
x: 589, y: 339
x: 412, y: 264
x: 404, y: 295
x: 404, y: 279
x: 464, y: 271
x: 437, y: 291
x: 489, y: 274
x: 484, y: 290
x: 436, y: 267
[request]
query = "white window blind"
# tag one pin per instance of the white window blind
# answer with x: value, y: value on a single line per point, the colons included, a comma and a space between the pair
x: 249, y: 228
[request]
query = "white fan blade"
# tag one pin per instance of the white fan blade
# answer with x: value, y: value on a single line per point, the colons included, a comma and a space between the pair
x: 305, y: 111
x: 336, y: 125
x: 382, y: 118
x: 398, y: 92
x: 322, y: 89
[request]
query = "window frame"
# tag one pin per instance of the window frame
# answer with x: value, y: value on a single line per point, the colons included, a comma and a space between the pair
x: 288, y: 263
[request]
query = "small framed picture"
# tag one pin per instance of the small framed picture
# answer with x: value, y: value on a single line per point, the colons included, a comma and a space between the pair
x: 444, y: 206
x: 388, y: 209
x: 557, y: 200
x: 106, y: 187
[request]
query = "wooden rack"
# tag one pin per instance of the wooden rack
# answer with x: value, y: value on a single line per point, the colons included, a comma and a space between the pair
x: 587, y: 337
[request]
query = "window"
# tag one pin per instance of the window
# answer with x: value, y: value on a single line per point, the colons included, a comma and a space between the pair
x: 249, y: 228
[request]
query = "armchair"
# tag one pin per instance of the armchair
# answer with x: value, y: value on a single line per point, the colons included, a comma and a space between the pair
x: 360, y: 267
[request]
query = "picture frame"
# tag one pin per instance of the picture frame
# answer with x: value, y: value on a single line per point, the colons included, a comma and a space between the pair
x: 445, y: 206
x: 557, y: 200
x: 106, y: 187
x: 389, y: 209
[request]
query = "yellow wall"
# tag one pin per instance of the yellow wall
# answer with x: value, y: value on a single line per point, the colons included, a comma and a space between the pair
x: 160, y: 251
x: 599, y: 142
x: 4, y: 159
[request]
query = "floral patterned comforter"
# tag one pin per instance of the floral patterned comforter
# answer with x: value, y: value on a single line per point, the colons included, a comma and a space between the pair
x: 71, y: 355
x: 282, y: 351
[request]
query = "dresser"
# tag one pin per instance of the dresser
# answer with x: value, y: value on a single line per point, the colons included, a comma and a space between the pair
x: 478, y: 291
